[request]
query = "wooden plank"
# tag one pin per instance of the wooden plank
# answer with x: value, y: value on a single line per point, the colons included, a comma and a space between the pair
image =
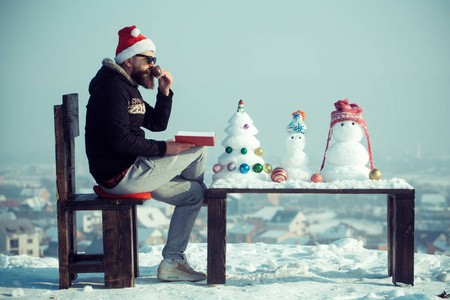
x: 86, y: 267
x: 403, y: 253
x: 61, y: 196
x: 118, y: 248
x: 217, y: 230
x: 94, y: 200
x: 60, y: 156
x: 87, y: 257
x: 71, y: 122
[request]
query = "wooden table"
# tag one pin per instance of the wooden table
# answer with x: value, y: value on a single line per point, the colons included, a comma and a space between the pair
x: 400, y: 228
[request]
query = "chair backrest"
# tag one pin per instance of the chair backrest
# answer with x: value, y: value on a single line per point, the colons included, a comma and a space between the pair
x: 66, y: 130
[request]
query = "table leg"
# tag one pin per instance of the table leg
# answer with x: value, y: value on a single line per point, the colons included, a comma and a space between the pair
x: 389, y: 229
x: 403, y: 239
x: 217, y: 226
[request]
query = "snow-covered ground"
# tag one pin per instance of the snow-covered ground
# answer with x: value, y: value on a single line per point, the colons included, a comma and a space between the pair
x: 341, y: 270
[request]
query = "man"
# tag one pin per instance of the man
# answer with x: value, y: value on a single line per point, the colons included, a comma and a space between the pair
x: 123, y: 161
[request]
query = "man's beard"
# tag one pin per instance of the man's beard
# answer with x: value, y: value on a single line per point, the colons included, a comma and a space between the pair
x: 144, y: 79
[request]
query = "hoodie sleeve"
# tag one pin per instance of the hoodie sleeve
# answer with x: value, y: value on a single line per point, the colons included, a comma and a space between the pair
x: 157, y: 119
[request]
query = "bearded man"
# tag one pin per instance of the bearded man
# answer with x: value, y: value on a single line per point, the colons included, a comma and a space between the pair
x: 123, y: 161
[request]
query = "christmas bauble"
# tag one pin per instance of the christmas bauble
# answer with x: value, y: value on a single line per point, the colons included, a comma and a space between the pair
x: 257, y: 167
x: 244, y: 168
x: 375, y: 174
x: 246, y: 126
x: 316, y: 177
x: 259, y: 151
x: 217, y: 168
x: 267, y: 168
x: 228, y: 149
x: 231, y: 166
x: 279, y: 175
x: 244, y: 150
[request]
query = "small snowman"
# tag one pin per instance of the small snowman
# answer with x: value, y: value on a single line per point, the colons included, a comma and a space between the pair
x: 296, y: 161
x: 347, y: 157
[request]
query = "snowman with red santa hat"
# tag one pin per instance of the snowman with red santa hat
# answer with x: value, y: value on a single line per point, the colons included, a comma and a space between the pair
x: 346, y: 158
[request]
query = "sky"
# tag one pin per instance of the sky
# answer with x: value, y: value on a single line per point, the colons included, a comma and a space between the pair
x: 390, y: 57
x: 341, y: 270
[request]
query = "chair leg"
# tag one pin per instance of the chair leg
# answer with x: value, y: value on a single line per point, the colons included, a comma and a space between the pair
x: 72, y: 236
x: 135, y: 243
x: 118, y: 248
x: 63, y: 249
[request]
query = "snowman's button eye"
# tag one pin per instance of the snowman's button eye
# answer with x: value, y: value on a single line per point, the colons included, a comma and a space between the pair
x: 300, y: 137
x: 292, y: 137
x: 342, y: 124
x: 353, y: 123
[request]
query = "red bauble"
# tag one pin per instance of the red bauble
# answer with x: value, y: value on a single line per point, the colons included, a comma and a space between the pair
x: 279, y: 175
x: 316, y: 177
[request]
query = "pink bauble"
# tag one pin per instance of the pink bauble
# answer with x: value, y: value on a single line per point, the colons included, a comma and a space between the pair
x: 279, y: 175
x: 217, y: 168
x: 316, y: 177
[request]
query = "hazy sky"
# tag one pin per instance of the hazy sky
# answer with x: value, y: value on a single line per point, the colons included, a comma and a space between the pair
x: 391, y: 57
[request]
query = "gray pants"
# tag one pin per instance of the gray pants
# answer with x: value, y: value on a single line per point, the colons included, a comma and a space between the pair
x: 175, y: 180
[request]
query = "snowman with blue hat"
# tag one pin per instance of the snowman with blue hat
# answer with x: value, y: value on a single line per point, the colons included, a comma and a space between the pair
x: 296, y: 161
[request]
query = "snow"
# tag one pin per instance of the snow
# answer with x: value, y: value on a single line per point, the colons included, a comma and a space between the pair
x: 392, y: 183
x: 341, y: 270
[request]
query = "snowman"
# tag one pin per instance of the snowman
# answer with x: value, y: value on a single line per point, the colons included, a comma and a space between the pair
x: 347, y: 157
x: 296, y: 161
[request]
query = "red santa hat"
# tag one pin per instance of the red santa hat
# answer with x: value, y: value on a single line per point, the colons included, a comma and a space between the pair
x: 132, y: 42
x: 348, y: 112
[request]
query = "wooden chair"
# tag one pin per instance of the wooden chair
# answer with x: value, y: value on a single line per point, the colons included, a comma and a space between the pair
x: 119, y: 261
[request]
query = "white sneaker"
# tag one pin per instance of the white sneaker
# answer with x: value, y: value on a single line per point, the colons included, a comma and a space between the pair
x: 178, y: 271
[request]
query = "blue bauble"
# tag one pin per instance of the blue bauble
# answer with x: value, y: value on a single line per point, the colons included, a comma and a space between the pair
x: 244, y: 168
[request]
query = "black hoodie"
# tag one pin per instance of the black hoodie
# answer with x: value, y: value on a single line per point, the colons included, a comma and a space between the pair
x: 115, y: 115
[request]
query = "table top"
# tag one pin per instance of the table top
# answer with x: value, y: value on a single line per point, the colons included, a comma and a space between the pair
x: 310, y: 191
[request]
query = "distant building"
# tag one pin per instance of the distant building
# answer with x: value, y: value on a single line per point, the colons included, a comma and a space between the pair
x: 91, y: 221
x: 289, y: 220
x: 342, y: 230
x: 151, y: 217
x: 150, y: 236
x: 432, y: 242
x: 432, y: 201
x: 241, y: 204
x: 241, y: 232
x: 274, y: 236
x: 19, y: 237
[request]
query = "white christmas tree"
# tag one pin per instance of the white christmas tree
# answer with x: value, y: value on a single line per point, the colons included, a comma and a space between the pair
x: 242, y: 156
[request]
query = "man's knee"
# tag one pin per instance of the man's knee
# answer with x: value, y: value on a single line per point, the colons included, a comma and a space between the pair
x: 197, y: 190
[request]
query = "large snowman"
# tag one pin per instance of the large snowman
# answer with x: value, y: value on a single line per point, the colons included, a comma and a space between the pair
x: 295, y: 160
x: 347, y: 157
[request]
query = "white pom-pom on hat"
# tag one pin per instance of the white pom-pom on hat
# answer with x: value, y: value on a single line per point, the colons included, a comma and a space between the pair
x: 135, y: 32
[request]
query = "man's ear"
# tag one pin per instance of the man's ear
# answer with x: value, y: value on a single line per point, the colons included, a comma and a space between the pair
x: 128, y: 62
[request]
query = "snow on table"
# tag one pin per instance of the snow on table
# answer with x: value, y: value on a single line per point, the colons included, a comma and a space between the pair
x: 393, y: 183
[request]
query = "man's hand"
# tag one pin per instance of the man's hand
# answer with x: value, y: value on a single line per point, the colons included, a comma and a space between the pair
x: 173, y: 147
x: 165, y: 82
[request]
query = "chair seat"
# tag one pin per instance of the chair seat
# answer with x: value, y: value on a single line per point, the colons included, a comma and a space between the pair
x: 102, y: 194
